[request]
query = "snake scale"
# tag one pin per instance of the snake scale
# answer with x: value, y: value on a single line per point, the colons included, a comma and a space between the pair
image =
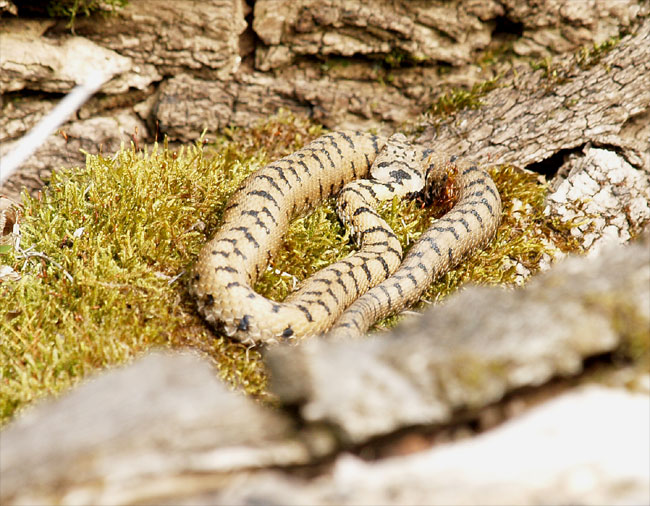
x: 347, y: 297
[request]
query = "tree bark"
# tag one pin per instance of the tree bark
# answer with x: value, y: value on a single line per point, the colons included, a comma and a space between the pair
x: 535, y: 115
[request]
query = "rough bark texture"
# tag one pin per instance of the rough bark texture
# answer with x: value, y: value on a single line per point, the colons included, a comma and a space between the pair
x: 564, y: 110
x: 439, y: 476
x: 140, y: 412
x: 164, y: 430
x: 138, y: 47
x: 32, y: 61
x: 99, y: 134
x: 526, y: 120
x: 186, y: 34
x: 8, y: 7
x: 448, y: 32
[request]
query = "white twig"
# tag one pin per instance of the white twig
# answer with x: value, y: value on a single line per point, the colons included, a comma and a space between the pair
x: 26, y: 146
x: 176, y: 278
x: 28, y: 254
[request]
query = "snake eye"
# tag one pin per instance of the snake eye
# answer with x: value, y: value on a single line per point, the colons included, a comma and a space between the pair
x: 286, y: 333
x: 244, y: 323
x: 209, y: 300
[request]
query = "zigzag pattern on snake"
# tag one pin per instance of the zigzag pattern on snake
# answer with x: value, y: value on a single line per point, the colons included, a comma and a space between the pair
x: 348, y: 296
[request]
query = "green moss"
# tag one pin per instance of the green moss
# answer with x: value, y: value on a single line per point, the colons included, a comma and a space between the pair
x: 474, y: 374
x: 496, y: 54
x: 526, y: 236
x: 588, y: 56
x: 331, y: 62
x: 628, y: 322
x: 458, y: 98
x: 399, y: 58
x: 70, y: 9
x: 312, y: 242
x: 545, y: 64
x: 585, y: 58
x: 100, y: 255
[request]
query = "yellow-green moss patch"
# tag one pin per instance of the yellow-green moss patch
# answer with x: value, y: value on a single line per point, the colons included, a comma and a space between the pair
x: 102, y: 250
x: 100, y: 254
x: 457, y: 99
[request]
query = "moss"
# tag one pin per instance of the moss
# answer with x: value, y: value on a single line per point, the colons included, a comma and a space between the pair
x: 588, y: 56
x: 496, y: 54
x: 70, y: 9
x: 585, y: 58
x: 526, y: 236
x: 458, y: 98
x: 398, y: 58
x: 476, y: 375
x: 102, y: 249
x: 312, y: 242
x: 331, y: 62
x: 100, y: 255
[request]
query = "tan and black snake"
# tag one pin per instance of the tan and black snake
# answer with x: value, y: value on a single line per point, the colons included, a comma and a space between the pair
x: 347, y: 297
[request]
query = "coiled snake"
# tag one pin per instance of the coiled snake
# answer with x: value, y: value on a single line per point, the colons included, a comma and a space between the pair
x: 348, y: 296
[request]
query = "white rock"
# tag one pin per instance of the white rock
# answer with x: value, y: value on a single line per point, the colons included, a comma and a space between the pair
x: 606, y: 194
x: 588, y: 447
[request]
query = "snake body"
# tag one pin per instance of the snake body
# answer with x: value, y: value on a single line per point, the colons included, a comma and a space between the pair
x: 347, y: 296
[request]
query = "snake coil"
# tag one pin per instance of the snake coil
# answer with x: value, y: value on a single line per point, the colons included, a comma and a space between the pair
x: 347, y: 297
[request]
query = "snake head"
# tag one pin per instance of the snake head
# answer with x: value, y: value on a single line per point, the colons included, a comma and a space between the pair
x: 399, y: 164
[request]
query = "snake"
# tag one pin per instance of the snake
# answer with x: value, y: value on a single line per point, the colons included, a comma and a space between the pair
x: 345, y: 298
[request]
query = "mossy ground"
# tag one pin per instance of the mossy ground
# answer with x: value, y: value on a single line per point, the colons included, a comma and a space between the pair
x: 102, y: 249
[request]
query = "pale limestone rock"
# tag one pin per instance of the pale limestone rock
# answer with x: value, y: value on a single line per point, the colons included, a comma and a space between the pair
x: 163, y: 415
x: 604, y: 195
x: 585, y: 447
